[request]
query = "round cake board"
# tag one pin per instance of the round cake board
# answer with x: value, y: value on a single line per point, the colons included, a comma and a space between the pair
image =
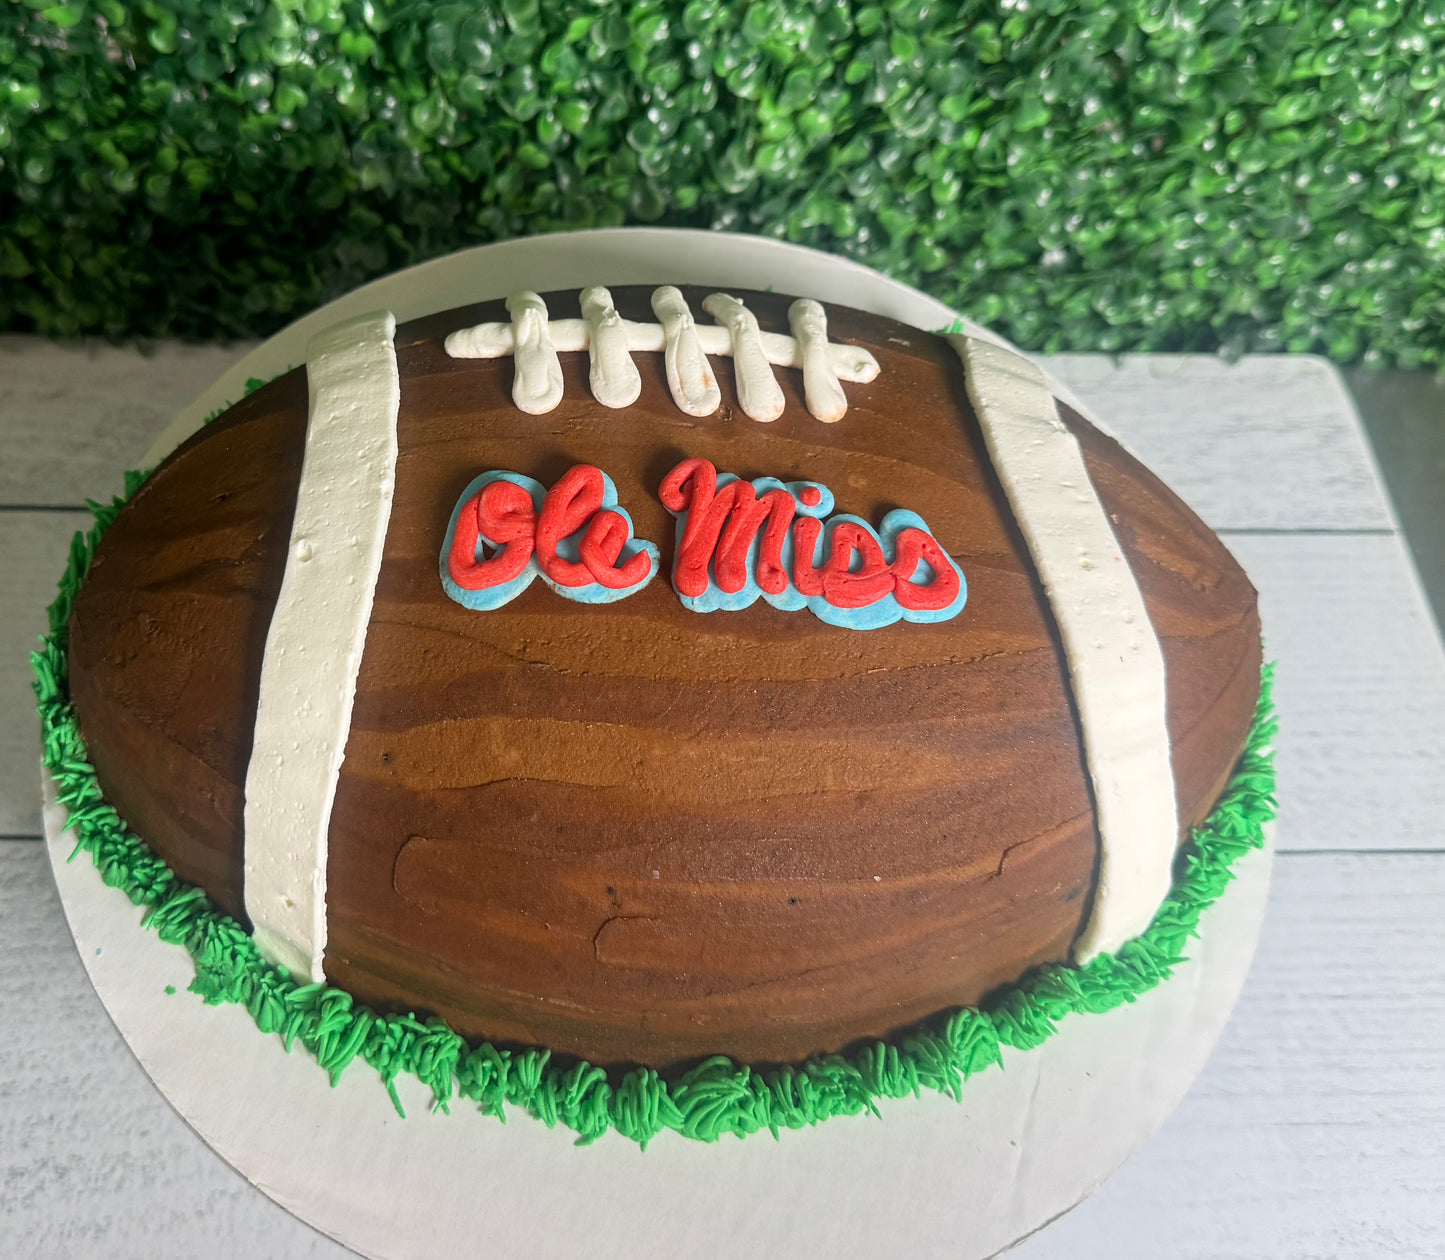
x: 931, y: 1176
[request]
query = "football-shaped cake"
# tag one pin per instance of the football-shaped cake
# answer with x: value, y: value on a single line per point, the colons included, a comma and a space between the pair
x: 658, y: 674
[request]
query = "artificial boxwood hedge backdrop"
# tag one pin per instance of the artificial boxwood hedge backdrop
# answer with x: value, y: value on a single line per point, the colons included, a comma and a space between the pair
x: 1091, y: 174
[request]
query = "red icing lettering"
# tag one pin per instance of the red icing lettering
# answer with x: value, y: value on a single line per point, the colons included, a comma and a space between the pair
x: 772, y: 576
x: 720, y: 528
x: 722, y: 525
x: 747, y: 517
x: 503, y: 512
x: 915, y: 545
x: 691, y: 487
x: 569, y: 505
x: 691, y: 484
x: 602, y: 544
x: 843, y: 587
x: 806, y: 578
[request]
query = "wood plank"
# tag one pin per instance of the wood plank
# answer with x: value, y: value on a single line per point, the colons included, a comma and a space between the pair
x: 76, y: 416
x: 1318, y: 1128
x: 1270, y: 442
x: 33, y: 547
x: 93, y: 1159
x: 1403, y: 415
x: 1361, y: 691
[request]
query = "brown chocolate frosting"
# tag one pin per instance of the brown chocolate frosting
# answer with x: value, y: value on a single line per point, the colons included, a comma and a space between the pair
x: 632, y: 832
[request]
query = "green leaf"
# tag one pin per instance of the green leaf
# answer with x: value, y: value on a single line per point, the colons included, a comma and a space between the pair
x: 64, y: 15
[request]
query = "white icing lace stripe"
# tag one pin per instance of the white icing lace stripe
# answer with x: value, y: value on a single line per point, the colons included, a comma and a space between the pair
x: 614, y: 378
x: 537, y: 385
x: 494, y: 341
x: 759, y: 394
x: 686, y: 347
x: 689, y: 375
x: 1116, y: 668
x: 317, y: 633
x: 825, y: 396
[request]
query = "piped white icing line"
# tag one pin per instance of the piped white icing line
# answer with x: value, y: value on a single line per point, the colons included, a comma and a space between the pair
x: 614, y: 377
x: 759, y: 394
x: 537, y: 385
x: 1116, y: 668
x: 318, y: 630
x: 496, y: 340
x: 689, y: 374
x: 825, y: 397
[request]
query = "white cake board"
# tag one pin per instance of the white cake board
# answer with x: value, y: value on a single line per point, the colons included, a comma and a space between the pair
x: 932, y: 1177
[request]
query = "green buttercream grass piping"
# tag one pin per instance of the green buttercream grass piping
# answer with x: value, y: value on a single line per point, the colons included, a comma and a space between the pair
x: 715, y: 1097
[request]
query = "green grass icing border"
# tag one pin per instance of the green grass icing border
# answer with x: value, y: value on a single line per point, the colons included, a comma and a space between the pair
x: 715, y: 1097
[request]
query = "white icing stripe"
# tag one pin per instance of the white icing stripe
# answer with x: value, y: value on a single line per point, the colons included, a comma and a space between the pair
x: 495, y: 341
x: 689, y: 375
x: 1115, y: 664
x: 759, y: 394
x: 611, y: 341
x: 537, y: 384
x: 824, y: 395
x: 614, y: 379
x: 318, y: 630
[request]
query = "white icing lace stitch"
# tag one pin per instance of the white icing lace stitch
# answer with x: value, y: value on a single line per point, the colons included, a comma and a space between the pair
x: 535, y: 341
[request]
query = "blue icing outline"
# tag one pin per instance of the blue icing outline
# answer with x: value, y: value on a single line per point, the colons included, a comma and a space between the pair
x: 593, y: 593
x: 874, y: 616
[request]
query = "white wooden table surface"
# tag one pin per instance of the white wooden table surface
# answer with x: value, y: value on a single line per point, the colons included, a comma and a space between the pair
x: 1318, y: 1129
